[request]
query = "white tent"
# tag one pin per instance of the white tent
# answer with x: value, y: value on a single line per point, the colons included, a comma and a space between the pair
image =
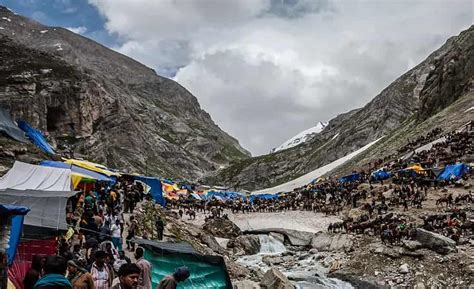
x: 23, y: 176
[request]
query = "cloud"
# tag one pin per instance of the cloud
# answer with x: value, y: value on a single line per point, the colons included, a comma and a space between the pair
x: 267, y: 69
x: 78, y: 30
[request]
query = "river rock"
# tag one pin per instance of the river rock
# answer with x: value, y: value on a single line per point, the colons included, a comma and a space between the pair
x: 411, y: 245
x: 404, y: 269
x: 246, y: 284
x: 323, y: 241
x: 435, y: 242
x: 274, y: 279
x: 223, y: 228
x: 249, y: 244
x: 272, y: 260
x: 211, y: 242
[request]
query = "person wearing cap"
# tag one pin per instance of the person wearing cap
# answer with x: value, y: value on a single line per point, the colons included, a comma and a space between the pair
x: 100, y: 271
x: 128, y: 277
x: 171, y: 281
x: 78, y: 276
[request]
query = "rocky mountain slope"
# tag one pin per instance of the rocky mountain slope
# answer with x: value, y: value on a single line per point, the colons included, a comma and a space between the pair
x: 420, y: 98
x: 301, y: 137
x: 96, y: 103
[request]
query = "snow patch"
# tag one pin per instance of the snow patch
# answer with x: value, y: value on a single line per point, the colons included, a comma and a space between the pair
x: 301, y: 137
x: 43, y: 31
x: 58, y: 47
x: 1, y: 28
x: 7, y: 19
x: 309, y: 177
x: 469, y: 109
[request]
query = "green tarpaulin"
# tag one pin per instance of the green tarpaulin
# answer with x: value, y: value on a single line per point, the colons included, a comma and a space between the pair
x: 206, y: 271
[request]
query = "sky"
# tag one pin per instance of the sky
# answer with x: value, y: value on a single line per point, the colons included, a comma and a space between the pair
x: 266, y: 69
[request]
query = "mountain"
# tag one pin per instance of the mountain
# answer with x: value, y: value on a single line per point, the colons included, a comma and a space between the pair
x: 101, y: 105
x: 301, y: 137
x: 435, y: 93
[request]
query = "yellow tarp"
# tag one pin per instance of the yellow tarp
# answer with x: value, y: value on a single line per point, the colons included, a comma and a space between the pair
x: 76, y: 178
x: 92, y: 166
x: 416, y: 167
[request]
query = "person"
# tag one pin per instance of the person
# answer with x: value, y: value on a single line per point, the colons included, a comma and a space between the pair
x: 160, y: 226
x: 171, y: 281
x: 78, y: 276
x: 34, y: 273
x: 101, y: 273
x: 121, y: 260
x: 117, y: 235
x: 132, y: 227
x: 54, y: 271
x: 144, y: 282
x: 128, y: 277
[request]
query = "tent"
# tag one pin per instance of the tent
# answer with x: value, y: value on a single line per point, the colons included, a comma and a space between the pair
x: 206, y: 271
x: 264, y: 197
x: 47, y: 209
x: 36, y: 137
x: 156, y: 190
x: 350, y: 178
x: 93, y: 167
x: 381, y: 175
x: 17, y: 213
x: 23, y: 176
x: 225, y: 195
x: 8, y: 127
x: 455, y: 171
x: 75, y: 169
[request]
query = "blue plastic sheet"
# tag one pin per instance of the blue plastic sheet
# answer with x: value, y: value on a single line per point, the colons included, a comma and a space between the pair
x: 156, y: 191
x: 453, y: 172
x: 349, y: 178
x: 381, y: 175
x: 226, y: 195
x: 36, y: 137
x: 18, y: 213
x: 264, y: 197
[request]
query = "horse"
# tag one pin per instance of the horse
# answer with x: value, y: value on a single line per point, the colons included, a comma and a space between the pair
x: 191, y: 214
x: 448, y: 200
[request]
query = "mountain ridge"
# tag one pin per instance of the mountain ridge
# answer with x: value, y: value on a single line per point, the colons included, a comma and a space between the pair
x: 97, y: 103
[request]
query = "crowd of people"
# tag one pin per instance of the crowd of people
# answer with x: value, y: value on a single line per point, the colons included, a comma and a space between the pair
x: 94, y: 256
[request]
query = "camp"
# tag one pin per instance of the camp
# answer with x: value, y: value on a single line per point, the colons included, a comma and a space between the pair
x: 454, y: 172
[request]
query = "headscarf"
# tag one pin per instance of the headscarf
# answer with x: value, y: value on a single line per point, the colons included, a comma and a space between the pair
x: 53, y: 280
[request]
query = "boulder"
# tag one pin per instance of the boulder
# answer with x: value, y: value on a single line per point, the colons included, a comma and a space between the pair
x: 323, y: 241
x: 223, y: 228
x: 246, y: 284
x: 211, y: 242
x: 356, y: 213
x: 404, y: 269
x: 411, y: 245
x: 435, y: 242
x: 273, y: 260
x: 248, y: 244
x: 274, y: 279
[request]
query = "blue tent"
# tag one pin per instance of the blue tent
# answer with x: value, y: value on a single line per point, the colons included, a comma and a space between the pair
x: 18, y: 213
x: 156, y: 191
x: 455, y: 171
x: 264, y: 197
x: 350, y: 178
x: 225, y: 195
x: 36, y: 137
x: 381, y: 175
x: 76, y: 169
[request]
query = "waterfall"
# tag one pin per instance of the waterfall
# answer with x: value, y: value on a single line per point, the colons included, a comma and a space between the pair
x: 270, y: 245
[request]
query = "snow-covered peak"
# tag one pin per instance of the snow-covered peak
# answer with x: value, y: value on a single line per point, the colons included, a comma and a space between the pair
x: 301, y: 137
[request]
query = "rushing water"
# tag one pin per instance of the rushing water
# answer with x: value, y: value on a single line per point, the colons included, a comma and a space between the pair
x: 305, y: 275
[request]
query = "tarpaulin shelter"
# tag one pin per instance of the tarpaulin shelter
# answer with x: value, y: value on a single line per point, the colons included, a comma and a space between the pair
x: 47, y: 209
x: 9, y: 127
x: 381, y: 175
x: 17, y: 214
x: 416, y: 167
x: 156, y: 190
x: 93, y: 167
x: 75, y: 169
x: 23, y: 176
x: 455, y: 171
x: 36, y: 137
x: 207, y: 271
x: 350, y: 178
x: 226, y: 195
x: 264, y: 197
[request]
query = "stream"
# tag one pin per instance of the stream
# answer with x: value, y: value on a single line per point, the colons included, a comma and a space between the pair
x: 306, y: 273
